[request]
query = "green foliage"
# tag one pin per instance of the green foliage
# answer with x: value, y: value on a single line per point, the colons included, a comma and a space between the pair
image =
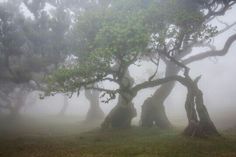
x: 105, y: 36
x: 120, y: 34
x: 112, y: 31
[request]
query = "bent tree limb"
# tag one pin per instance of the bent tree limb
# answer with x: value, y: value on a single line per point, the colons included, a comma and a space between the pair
x: 213, y: 53
x: 200, y: 124
x: 156, y: 102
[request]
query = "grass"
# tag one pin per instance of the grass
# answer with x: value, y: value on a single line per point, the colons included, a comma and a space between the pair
x: 134, y: 142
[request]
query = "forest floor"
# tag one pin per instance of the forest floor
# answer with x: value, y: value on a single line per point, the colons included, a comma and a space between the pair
x: 135, y: 142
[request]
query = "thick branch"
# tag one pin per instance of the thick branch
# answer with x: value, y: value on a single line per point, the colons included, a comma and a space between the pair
x: 158, y: 82
x: 220, y: 12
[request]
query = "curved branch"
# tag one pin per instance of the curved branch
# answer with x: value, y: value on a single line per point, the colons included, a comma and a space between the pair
x: 158, y: 82
x: 227, y: 5
x: 212, y: 53
x: 226, y: 28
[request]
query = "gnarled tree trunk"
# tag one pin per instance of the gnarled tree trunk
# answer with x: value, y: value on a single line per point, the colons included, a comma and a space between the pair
x: 153, y: 110
x: 121, y: 115
x: 199, y: 121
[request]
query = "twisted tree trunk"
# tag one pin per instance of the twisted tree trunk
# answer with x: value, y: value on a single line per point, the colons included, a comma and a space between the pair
x: 123, y: 113
x: 199, y: 121
x: 153, y: 111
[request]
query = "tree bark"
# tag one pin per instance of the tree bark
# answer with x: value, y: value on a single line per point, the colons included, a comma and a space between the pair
x: 200, y: 124
x: 153, y: 110
x: 199, y: 121
x: 121, y: 115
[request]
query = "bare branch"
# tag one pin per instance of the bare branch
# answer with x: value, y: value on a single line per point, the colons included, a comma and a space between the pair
x: 226, y: 28
x: 158, y: 82
x: 211, y: 53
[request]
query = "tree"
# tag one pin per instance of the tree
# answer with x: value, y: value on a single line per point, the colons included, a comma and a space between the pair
x: 95, y: 113
x: 29, y: 48
x: 155, y: 103
x: 32, y: 47
x: 112, y: 38
x: 12, y: 42
x: 99, y: 61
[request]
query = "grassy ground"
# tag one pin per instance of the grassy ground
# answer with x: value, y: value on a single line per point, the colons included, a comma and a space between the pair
x: 120, y: 143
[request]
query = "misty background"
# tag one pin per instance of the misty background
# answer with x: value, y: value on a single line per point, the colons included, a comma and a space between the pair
x: 217, y: 83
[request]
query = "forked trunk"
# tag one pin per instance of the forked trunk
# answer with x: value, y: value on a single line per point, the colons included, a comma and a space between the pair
x: 199, y: 121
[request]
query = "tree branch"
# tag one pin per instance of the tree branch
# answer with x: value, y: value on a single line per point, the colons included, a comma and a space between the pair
x: 158, y: 82
x: 211, y: 53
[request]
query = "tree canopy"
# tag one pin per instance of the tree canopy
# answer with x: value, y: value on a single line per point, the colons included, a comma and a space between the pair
x: 112, y: 38
x: 78, y: 44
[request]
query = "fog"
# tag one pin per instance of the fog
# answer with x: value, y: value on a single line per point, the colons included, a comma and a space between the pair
x: 217, y: 83
x: 116, y: 78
